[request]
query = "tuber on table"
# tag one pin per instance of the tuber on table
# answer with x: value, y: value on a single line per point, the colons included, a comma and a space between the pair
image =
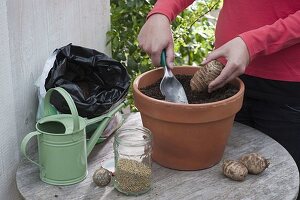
x: 234, y: 170
x: 205, y: 75
x: 254, y: 162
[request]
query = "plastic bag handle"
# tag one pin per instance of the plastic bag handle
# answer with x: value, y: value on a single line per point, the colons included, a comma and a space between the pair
x: 24, y: 144
x: 48, y: 110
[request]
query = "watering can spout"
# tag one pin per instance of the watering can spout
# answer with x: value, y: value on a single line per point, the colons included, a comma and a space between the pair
x: 105, y: 120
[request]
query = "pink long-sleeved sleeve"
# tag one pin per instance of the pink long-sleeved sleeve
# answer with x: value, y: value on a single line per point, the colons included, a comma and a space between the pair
x: 272, y: 38
x: 170, y: 8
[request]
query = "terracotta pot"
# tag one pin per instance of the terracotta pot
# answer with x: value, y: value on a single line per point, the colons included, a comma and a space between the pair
x: 186, y: 136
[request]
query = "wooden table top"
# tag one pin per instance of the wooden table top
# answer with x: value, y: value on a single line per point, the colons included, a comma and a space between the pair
x: 279, y: 181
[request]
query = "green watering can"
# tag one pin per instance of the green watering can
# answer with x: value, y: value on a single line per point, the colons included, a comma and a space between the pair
x: 62, y: 145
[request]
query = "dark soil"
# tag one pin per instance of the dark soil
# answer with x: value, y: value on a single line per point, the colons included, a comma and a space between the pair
x: 193, y: 97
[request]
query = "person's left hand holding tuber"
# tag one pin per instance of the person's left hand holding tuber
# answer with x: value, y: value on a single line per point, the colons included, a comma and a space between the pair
x: 236, y: 53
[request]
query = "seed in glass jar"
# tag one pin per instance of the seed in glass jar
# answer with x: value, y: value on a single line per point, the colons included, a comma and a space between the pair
x: 132, y: 176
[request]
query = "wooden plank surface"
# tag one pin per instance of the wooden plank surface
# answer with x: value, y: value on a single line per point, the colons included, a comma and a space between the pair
x: 279, y: 181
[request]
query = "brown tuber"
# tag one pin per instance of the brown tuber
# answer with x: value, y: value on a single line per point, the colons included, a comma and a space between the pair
x: 234, y: 170
x: 254, y: 162
x: 205, y: 75
x: 102, y: 177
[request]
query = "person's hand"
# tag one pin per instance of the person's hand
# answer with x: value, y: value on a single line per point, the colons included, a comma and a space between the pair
x: 155, y: 36
x: 236, y: 53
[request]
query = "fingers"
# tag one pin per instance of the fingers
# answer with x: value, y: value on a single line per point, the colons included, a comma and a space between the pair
x: 230, y: 72
x: 236, y: 53
x: 213, y: 56
x: 155, y: 57
x: 153, y: 54
x: 225, y: 73
x: 153, y: 40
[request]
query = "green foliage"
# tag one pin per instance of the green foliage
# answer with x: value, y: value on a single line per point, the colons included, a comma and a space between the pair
x: 193, y: 32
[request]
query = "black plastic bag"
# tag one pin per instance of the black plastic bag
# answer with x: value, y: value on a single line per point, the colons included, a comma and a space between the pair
x: 96, y: 82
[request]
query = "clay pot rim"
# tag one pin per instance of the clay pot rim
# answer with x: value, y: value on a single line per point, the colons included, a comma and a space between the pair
x: 167, y: 103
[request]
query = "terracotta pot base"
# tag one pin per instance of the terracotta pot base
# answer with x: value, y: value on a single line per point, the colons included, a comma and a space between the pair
x: 186, y: 137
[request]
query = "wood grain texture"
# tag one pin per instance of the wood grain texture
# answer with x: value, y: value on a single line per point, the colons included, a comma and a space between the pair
x: 279, y: 181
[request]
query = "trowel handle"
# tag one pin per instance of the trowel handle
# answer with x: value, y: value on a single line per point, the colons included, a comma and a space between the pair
x: 70, y: 102
x: 24, y: 144
x: 163, y: 56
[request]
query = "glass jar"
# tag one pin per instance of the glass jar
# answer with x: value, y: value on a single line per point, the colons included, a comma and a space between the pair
x: 132, y: 149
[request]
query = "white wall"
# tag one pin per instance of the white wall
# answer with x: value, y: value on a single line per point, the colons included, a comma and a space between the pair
x: 29, y: 31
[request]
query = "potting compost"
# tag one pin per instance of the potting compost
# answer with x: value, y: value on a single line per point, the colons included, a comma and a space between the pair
x: 194, y: 97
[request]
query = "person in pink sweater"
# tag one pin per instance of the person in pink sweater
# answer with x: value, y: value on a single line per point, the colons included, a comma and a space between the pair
x: 258, y: 41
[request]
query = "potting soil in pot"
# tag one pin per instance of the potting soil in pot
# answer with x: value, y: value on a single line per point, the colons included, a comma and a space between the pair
x: 193, y: 97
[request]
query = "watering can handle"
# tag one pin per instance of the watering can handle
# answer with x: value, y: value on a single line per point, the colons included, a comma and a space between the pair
x: 24, y: 144
x: 70, y: 102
